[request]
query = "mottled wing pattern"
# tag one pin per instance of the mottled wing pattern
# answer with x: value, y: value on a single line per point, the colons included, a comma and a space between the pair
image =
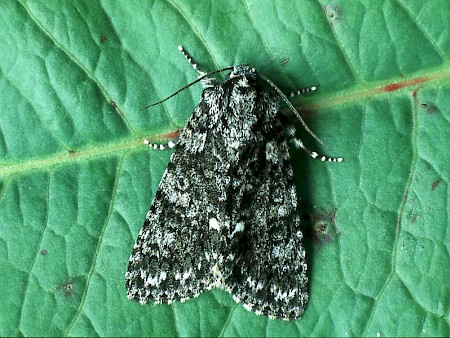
x: 269, y: 274
x: 225, y: 214
x: 170, y: 260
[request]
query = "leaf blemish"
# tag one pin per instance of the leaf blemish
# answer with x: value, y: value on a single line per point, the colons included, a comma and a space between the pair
x: 435, y: 184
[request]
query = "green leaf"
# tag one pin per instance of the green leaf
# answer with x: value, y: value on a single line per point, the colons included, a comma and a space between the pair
x: 76, y: 180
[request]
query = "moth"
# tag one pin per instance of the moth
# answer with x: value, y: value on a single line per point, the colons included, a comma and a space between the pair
x: 225, y: 214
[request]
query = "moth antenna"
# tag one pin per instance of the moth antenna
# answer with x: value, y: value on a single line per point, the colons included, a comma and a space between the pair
x: 192, y: 63
x: 161, y: 146
x: 299, y: 144
x: 289, y: 104
x: 303, y: 90
x: 187, y: 86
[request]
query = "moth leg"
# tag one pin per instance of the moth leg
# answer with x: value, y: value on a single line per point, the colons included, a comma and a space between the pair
x: 290, y: 131
x: 193, y: 64
x: 170, y: 144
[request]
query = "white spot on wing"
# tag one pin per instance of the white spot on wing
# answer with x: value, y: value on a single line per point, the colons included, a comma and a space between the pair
x: 239, y: 228
x: 213, y: 224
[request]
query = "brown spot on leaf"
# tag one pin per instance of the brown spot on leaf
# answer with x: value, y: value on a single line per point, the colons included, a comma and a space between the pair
x: 319, y: 223
x: 66, y: 288
x: 334, y: 12
x: 429, y: 108
x: 435, y: 184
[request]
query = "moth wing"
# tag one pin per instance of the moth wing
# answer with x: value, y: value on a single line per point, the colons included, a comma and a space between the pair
x: 170, y: 260
x: 268, y: 274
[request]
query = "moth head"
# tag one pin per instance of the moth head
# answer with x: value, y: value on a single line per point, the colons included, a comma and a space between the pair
x: 243, y: 71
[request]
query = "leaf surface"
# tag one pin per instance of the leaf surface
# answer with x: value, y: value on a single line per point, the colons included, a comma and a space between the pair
x: 76, y: 180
